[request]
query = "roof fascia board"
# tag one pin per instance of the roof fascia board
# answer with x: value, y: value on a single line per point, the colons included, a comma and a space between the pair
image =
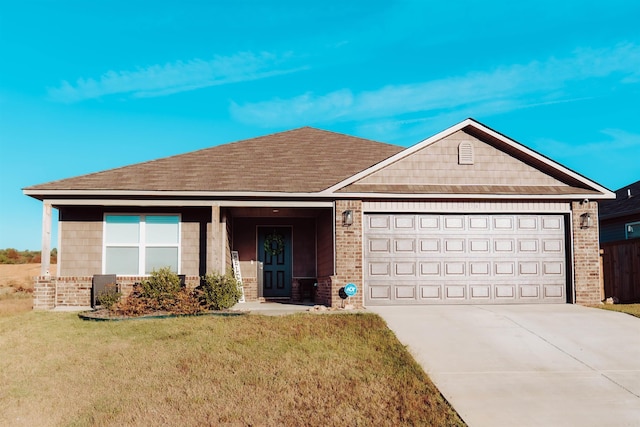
x: 164, y: 194
x: 191, y: 203
x: 460, y: 126
x: 470, y: 196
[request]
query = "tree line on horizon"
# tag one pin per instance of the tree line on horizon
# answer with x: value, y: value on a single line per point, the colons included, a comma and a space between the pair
x: 14, y: 256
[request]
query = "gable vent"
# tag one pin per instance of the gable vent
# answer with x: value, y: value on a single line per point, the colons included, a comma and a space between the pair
x: 465, y: 153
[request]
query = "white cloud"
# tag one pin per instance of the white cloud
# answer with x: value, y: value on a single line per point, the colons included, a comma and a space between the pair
x: 509, y: 87
x: 160, y: 80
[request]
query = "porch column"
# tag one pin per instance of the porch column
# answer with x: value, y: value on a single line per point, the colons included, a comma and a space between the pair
x: 348, y: 241
x: 45, y: 248
x: 214, y: 252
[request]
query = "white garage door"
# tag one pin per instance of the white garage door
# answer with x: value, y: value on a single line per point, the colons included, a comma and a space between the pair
x: 469, y: 259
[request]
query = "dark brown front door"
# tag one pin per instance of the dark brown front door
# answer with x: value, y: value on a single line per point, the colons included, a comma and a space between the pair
x: 274, y: 250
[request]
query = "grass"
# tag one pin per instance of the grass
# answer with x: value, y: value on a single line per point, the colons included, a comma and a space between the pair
x: 632, y: 309
x: 342, y: 369
x: 16, y: 287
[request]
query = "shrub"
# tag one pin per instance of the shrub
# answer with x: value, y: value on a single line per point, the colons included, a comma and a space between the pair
x: 161, y: 292
x: 109, y: 296
x: 219, y: 292
x: 161, y: 289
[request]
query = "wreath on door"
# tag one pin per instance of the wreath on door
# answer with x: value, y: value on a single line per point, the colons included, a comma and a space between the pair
x: 270, y: 248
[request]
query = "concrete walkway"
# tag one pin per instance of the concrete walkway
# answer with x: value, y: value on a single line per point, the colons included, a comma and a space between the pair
x: 527, y: 365
x: 274, y: 308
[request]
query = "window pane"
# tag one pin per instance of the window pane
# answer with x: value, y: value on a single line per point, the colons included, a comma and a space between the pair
x: 157, y: 258
x: 122, y: 229
x: 162, y: 229
x: 122, y: 261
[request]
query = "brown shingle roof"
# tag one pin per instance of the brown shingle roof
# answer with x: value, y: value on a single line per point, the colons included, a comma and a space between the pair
x: 623, y: 204
x: 300, y: 160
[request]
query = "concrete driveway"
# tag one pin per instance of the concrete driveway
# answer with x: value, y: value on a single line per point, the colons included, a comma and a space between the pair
x: 527, y: 365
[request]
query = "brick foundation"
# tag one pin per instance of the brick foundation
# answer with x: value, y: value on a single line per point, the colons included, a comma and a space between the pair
x: 75, y: 291
x: 323, y: 291
x: 250, y: 286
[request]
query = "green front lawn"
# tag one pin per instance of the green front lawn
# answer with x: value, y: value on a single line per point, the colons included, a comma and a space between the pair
x: 342, y: 369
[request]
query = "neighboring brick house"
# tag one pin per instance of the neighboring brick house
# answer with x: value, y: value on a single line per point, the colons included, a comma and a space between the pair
x: 466, y: 216
x: 620, y: 218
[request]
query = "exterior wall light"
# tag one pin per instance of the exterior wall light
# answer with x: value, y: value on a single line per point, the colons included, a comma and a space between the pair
x: 347, y: 218
x: 585, y: 220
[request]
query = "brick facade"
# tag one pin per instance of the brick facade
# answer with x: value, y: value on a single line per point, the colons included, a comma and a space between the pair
x: 348, y: 254
x: 586, y: 254
x: 70, y: 290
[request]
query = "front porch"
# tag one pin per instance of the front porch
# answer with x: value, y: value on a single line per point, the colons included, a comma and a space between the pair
x: 284, y: 253
x: 288, y: 251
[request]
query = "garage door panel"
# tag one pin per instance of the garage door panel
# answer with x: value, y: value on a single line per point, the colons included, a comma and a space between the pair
x: 555, y: 291
x: 455, y: 291
x: 404, y: 245
x: 429, y: 245
x: 454, y: 268
x: 430, y: 268
x: 378, y: 222
x: 480, y: 292
x: 405, y: 292
x: 504, y: 245
x: 478, y: 222
x: 528, y: 268
x: 479, y: 246
x: 552, y: 245
x: 504, y: 268
x: 380, y: 245
x: 453, y: 223
x: 380, y: 268
x: 431, y: 292
x: 475, y: 258
x: 479, y: 268
x: 552, y: 223
x: 379, y: 293
x: 553, y: 268
x: 454, y: 245
x: 503, y: 292
x: 405, y: 268
x: 404, y: 222
x: 428, y: 222
x: 529, y: 291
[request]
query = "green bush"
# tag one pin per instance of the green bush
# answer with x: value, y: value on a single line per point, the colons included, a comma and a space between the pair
x: 161, y: 292
x: 109, y: 296
x: 161, y: 289
x: 219, y: 292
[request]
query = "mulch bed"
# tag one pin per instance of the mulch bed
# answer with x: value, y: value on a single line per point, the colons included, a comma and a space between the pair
x: 105, y: 315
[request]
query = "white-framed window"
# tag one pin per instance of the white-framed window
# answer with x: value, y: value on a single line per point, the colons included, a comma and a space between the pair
x: 632, y: 230
x: 138, y: 244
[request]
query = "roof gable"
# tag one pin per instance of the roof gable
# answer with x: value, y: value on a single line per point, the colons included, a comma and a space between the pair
x: 495, y: 165
x: 298, y: 161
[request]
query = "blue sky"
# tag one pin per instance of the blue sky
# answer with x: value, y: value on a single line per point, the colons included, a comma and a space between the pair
x: 92, y: 85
